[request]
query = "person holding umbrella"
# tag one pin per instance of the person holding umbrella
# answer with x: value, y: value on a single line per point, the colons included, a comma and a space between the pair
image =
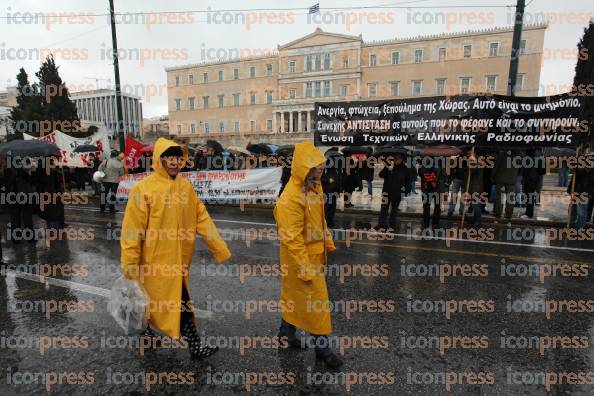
x: 396, y: 179
x: 332, y: 183
x: 305, y: 242
x: 158, y: 240
x: 432, y: 186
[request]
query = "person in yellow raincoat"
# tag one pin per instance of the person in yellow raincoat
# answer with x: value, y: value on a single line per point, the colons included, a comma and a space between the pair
x: 304, y: 243
x: 162, y: 217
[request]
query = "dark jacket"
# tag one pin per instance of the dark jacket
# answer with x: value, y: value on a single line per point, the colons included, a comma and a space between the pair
x: 584, y: 182
x: 367, y: 171
x: 504, y: 172
x: 333, y: 173
x: 351, y: 177
x: 531, y: 176
x: 395, y: 180
x: 440, y: 179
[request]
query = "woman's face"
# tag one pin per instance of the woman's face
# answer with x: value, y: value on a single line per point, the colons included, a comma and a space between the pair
x: 313, y: 177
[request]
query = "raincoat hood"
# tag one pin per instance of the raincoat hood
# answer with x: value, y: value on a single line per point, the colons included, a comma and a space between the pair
x: 305, y: 157
x: 161, y: 145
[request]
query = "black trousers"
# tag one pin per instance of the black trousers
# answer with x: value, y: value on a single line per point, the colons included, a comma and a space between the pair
x: 330, y: 207
x: 21, y: 222
x: 429, y: 197
x: 108, y: 196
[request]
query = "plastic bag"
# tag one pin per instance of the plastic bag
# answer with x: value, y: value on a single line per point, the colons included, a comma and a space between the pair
x: 127, y: 304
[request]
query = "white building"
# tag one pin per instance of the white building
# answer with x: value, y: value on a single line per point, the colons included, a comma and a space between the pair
x: 100, y: 106
x: 5, y: 125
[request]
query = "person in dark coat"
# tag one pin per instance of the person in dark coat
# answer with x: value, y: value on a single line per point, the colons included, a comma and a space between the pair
x: 583, y: 190
x: 332, y: 183
x: 49, y: 182
x: 20, y: 189
x: 367, y: 173
x: 432, y: 186
x: 396, y: 179
x: 530, y: 178
x: 350, y: 180
x: 285, y: 163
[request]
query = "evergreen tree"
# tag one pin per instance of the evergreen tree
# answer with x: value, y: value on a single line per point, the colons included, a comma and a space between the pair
x: 55, y: 101
x: 584, y: 77
x: 25, y: 116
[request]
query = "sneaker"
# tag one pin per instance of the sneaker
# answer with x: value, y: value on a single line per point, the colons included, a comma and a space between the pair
x: 525, y: 217
x: 331, y: 360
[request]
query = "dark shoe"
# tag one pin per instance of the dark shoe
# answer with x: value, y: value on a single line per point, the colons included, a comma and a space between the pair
x: 450, y: 214
x: 293, y: 342
x: 331, y: 360
x: 203, y: 351
x: 349, y: 205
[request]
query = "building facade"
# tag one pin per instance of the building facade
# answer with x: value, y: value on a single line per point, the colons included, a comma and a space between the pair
x: 100, y: 106
x: 276, y: 93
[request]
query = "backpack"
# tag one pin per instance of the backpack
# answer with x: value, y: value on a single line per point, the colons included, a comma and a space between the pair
x: 429, y: 180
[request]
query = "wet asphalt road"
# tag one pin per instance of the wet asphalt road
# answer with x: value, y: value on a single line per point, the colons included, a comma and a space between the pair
x: 395, y: 336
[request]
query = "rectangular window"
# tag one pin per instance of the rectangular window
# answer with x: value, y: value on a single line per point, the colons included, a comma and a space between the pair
x: 394, y: 88
x: 252, y: 71
x: 520, y: 79
x: 308, y: 63
x: 193, y: 128
x: 372, y: 90
x: 221, y: 75
x: 177, y: 81
x: 465, y: 85
x: 269, y: 125
x: 317, y: 89
x: 221, y: 100
x: 205, y: 102
x: 491, y: 83
x: 236, y: 74
x: 221, y: 126
x: 252, y: 98
x: 493, y: 49
x: 441, y: 54
x: 205, y: 78
x: 395, y: 57
x: 467, y: 50
x: 417, y: 87
x: 308, y: 89
x: 344, y: 90
x: 522, y: 49
x: 440, y: 86
x: 190, y: 79
x: 418, y: 56
x: 345, y: 62
x: 269, y: 69
x: 372, y: 60
x: 178, y: 128
x: 236, y: 99
x: 326, y: 61
x: 291, y: 66
x: 191, y: 103
x: 252, y: 126
x: 236, y: 126
x: 269, y: 97
x: 292, y: 93
x: 177, y: 104
x: 318, y: 61
x: 206, y: 128
x: 326, y: 88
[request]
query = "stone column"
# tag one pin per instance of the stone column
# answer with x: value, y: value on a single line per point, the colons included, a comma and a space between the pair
x: 309, y: 128
x: 291, y: 121
x: 282, y: 115
x: 274, y: 130
x: 299, y: 121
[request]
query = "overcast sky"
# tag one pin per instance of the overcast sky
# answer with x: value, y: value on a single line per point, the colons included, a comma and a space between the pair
x: 82, y: 43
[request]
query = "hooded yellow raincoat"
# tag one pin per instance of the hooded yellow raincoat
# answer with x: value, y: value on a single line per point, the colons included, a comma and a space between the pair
x: 163, y: 216
x: 304, y: 244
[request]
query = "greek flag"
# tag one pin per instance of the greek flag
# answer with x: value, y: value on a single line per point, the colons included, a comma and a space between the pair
x: 314, y: 8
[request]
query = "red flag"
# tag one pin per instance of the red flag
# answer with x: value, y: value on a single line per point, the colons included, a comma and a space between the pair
x: 132, y: 152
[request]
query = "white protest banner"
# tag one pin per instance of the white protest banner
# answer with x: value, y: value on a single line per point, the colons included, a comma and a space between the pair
x: 67, y: 144
x: 246, y: 185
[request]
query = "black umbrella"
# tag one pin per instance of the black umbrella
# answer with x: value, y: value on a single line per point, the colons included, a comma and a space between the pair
x: 558, y: 152
x: 285, y: 150
x: 28, y: 148
x: 357, y: 150
x: 392, y: 150
x: 259, y: 148
x: 216, y: 146
x: 86, y: 148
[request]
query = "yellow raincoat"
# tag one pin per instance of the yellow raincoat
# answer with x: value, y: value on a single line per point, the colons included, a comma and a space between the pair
x: 162, y: 218
x: 305, y: 242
